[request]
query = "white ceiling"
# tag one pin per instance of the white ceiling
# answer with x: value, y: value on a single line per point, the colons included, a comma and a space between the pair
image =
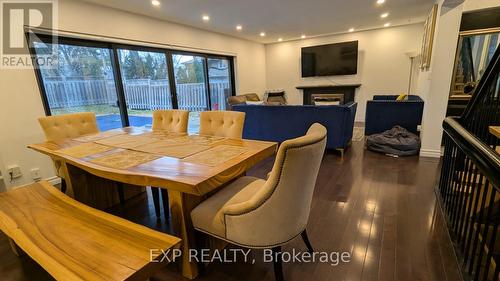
x: 288, y: 19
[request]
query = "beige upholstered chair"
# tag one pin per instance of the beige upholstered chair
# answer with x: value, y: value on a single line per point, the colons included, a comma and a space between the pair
x: 67, y: 126
x: 175, y: 121
x: 222, y: 123
x: 244, y: 212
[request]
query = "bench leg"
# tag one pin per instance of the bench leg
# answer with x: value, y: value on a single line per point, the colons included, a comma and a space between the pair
x: 17, y: 251
x: 155, y: 191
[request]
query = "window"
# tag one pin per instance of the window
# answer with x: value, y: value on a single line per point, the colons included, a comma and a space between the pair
x: 124, y: 84
x: 145, y: 83
x: 219, y: 74
x: 82, y: 80
x: 191, y: 85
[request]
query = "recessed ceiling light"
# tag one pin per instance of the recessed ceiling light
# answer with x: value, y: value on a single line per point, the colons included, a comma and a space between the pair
x: 380, y: 2
x: 280, y: 39
x: 384, y: 15
x: 303, y: 36
x: 239, y: 27
x: 351, y: 29
x: 155, y: 3
x: 205, y: 17
x: 387, y: 24
x: 262, y: 34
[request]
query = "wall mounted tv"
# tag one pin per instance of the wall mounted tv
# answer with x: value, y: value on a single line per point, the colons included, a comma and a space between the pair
x: 331, y: 59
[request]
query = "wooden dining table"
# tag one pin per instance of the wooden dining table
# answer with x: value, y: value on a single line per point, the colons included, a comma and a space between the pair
x: 189, y: 167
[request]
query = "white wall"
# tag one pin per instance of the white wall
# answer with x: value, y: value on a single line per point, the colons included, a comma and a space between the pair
x: 436, y: 82
x: 20, y: 103
x: 383, y: 66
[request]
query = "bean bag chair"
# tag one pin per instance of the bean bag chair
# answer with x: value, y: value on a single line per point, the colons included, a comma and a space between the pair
x: 396, y: 141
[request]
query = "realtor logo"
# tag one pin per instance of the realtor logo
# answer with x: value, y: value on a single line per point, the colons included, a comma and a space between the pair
x: 15, y: 17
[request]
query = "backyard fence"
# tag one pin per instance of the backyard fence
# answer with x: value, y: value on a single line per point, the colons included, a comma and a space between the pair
x: 140, y: 94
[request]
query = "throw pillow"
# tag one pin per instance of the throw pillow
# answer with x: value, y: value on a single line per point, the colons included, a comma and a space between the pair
x: 402, y: 97
x: 254, y: 102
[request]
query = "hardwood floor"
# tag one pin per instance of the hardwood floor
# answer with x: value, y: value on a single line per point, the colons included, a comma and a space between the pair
x: 381, y: 209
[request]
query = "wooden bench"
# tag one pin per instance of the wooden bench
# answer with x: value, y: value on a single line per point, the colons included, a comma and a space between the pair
x: 75, y: 242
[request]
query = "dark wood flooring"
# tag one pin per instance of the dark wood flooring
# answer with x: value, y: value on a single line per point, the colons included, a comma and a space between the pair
x: 381, y: 209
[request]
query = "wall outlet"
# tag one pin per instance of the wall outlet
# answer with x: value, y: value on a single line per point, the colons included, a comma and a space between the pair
x: 14, y: 172
x: 35, y: 174
x: 419, y: 128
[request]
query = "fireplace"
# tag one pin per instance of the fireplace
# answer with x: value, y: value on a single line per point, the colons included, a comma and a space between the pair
x: 328, y: 94
x: 327, y: 99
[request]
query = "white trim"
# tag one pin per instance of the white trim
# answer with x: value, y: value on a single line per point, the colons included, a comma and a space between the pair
x: 430, y: 153
x: 54, y: 180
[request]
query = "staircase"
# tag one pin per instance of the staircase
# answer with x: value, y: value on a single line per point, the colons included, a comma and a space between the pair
x: 469, y: 185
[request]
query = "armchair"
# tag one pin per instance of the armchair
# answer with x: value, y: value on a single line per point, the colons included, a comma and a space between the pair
x: 384, y: 112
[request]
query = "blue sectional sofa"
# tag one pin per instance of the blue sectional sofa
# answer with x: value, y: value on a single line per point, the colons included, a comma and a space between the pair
x: 281, y: 122
x: 384, y: 112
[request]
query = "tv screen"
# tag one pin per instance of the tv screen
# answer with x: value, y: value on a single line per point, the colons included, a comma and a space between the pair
x: 332, y: 59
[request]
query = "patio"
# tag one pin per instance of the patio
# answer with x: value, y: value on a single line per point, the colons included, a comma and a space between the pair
x: 113, y: 121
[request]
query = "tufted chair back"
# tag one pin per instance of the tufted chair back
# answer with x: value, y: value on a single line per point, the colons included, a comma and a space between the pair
x: 175, y: 121
x: 283, y: 202
x: 222, y: 123
x: 68, y: 125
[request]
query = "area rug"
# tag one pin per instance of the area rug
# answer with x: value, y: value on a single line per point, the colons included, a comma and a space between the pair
x: 358, y: 134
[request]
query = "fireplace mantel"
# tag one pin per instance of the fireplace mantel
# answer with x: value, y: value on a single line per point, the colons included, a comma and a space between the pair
x: 348, y: 90
x: 329, y: 86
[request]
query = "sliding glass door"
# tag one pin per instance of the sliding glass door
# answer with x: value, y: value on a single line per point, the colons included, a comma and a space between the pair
x: 145, y: 83
x: 191, y: 86
x: 124, y: 84
x: 82, y: 80
x: 219, y: 75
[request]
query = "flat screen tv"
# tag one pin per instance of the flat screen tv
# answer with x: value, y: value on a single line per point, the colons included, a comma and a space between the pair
x: 331, y: 59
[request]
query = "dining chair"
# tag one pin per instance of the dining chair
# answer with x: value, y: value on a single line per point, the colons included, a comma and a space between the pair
x: 175, y: 121
x: 244, y: 212
x: 67, y: 126
x: 222, y: 123
x: 171, y: 120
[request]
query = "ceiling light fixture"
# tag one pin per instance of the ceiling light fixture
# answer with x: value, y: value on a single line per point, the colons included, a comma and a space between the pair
x: 303, y: 36
x: 262, y: 34
x: 351, y: 29
x: 205, y: 17
x: 387, y: 24
x: 280, y: 39
x: 380, y: 2
x: 155, y: 3
x: 239, y: 27
x: 384, y: 15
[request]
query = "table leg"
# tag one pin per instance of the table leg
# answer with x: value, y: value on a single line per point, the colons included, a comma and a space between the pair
x: 181, y: 205
x: 17, y: 251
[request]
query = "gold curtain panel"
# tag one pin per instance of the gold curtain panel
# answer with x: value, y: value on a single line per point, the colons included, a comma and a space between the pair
x: 85, y: 149
x: 217, y: 155
x: 125, y: 159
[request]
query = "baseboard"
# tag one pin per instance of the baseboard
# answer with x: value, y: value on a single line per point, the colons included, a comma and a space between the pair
x: 54, y: 180
x: 430, y: 153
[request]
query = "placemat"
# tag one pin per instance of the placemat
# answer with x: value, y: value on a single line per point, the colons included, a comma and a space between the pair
x: 85, y: 149
x: 127, y: 141
x: 125, y: 159
x: 98, y: 136
x: 194, y: 139
x: 163, y: 135
x: 216, y: 155
x: 170, y: 150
